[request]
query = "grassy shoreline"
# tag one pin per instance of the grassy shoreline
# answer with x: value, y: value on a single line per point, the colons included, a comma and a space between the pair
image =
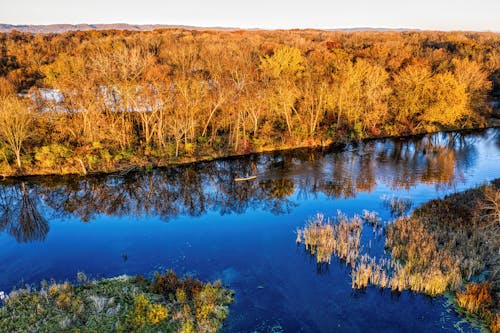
x: 151, y: 162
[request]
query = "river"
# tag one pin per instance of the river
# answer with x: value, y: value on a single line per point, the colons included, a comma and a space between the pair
x: 197, y: 220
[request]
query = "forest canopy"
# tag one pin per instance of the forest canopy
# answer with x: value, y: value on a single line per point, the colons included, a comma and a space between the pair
x: 103, y: 100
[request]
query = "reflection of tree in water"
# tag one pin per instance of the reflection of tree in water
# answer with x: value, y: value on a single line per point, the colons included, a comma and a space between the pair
x: 284, y: 179
x: 437, y: 159
x: 186, y: 190
x: 279, y: 190
x: 19, y: 215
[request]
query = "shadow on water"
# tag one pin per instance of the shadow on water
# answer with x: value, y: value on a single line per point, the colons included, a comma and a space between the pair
x: 194, y: 190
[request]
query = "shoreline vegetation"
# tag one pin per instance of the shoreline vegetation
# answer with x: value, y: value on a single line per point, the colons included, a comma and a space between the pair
x: 445, y: 245
x: 125, y: 167
x: 85, y: 102
x: 122, y: 304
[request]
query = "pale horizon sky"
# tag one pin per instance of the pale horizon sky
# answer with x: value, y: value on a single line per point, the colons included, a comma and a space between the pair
x: 478, y: 15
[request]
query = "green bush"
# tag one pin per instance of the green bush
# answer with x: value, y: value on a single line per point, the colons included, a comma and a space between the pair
x: 52, y: 155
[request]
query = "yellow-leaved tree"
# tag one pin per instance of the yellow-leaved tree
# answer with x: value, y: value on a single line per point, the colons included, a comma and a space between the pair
x: 283, y: 68
x: 360, y: 95
x: 448, y: 104
x: 286, y: 61
x: 15, y: 120
x: 476, y: 83
x: 412, y: 96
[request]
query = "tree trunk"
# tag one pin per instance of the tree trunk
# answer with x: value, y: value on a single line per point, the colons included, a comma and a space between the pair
x: 18, y: 159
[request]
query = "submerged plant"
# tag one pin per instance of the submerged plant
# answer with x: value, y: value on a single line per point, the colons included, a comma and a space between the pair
x: 371, y: 218
x: 397, y: 206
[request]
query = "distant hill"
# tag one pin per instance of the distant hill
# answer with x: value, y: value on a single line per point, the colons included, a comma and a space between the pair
x: 58, y: 28
x: 375, y: 29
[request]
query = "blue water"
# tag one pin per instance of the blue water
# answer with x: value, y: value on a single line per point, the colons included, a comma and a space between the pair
x: 196, y: 220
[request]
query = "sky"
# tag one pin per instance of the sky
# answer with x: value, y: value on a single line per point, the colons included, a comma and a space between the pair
x: 477, y: 15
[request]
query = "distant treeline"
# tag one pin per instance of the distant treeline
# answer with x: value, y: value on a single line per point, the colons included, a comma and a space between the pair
x: 101, y: 100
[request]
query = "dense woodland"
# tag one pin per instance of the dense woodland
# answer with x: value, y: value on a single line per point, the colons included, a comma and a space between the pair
x: 79, y: 102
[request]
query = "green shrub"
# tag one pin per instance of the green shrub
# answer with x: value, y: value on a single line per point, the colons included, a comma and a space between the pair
x: 52, y: 155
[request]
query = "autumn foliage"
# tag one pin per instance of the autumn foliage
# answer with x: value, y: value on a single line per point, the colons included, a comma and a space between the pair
x: 111, y: 99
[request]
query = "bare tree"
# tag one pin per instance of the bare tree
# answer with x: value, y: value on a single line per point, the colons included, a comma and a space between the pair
x: 15, y: 120
x: 489, y: 207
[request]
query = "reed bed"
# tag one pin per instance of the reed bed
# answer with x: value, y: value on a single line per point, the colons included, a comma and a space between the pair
x: 326, y: 237
x: 478, y: 299
x: 443, y: 244
x: 416, y: 262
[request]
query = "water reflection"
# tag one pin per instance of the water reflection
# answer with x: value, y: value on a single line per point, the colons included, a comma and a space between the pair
x: 19, y: 213
x: 193, y: 190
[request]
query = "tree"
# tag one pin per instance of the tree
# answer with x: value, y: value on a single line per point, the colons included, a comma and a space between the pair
x: 475, y: 79
x: 412, y: 94
x: 360, y: 95
x: 286, y: 61
x: 316, y: 100
x: 15, y: 120
x: 448, y: 104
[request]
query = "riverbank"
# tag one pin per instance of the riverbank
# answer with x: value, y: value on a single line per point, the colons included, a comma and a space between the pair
x: 118, y: 164
x: 151, y: 99
x: 447, y: 245
x: 465, y: 226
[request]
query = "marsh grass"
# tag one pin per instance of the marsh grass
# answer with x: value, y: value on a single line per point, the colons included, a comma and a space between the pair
x: 443, y: 244
x: 416, y: 263
x: 326, y: 237
x: 475, y: 298
x: 478, y: 299
x: 124, y: 304
x: 466, y: 224
x: 369, y: 271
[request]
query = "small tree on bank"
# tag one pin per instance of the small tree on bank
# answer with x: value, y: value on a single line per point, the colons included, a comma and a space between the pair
x: 15, y: 120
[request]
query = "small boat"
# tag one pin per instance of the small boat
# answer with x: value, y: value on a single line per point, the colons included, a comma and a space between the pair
x: 240, y: 179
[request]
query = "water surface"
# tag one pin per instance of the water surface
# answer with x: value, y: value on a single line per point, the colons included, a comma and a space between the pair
x: 196, y: 220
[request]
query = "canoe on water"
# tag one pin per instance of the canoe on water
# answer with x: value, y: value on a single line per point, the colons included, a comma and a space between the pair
x: 240, y: 179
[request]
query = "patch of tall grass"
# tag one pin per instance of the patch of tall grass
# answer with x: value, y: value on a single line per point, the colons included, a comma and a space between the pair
x: 416, y: 263
x: 324, y: 237
x: 372, y: 218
